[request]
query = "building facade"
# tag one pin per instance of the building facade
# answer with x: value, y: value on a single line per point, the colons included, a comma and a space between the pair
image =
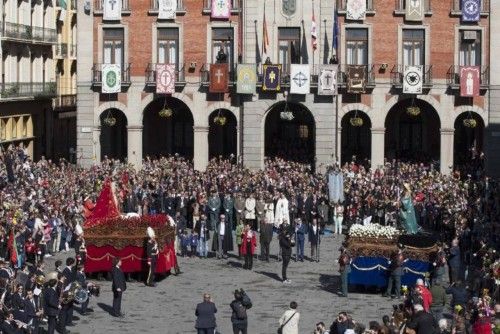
x: 28, y: 77
x: 373, y: 119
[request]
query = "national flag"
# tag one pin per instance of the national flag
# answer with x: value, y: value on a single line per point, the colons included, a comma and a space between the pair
x: 265, y: 36
x: 314, y: 35
x: 335, y: 31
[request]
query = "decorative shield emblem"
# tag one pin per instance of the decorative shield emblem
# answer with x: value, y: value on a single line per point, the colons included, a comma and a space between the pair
x: 288, y: 7
x: 111, y: 79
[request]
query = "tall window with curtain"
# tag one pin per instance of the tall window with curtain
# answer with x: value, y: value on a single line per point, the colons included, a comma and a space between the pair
x: 113, y: 46
x: 168, y: 46
x: 413, y: 47
x: 470, y: 48
x: 356, y: 46
x: 223, y: 39
x: 289, y: 47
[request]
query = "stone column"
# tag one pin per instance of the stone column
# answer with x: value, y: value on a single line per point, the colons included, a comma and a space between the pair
x: 200, y: 158
x: 378, y: 147
x: 134, y: 146
x: 446, y: 155
x: 96, y: 141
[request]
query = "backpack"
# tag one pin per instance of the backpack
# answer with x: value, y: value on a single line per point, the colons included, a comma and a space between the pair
x: 241, y: 311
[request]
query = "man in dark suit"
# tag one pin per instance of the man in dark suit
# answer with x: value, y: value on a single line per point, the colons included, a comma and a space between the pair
x: 69, y: 273
x: 51, y: 305
x: 31, y: 311
x: 118, y: 286
x: 266, y: 235
x: 82, y: 280
x: 205, y: 313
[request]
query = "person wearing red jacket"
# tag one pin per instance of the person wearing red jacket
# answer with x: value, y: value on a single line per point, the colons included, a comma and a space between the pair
x: 248, y: 244
x: 424, y: 293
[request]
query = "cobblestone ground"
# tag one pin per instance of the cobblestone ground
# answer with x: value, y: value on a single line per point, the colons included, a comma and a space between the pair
x: 169, y: 307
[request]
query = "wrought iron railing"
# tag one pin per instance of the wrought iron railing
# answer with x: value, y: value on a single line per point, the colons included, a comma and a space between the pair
x: 205, y: 74
x: 453, y: 76
x: 397, y: 74
x: 151, y: 74
x: 97, y: 74
x: 28, y: 89
x: 29, y: 33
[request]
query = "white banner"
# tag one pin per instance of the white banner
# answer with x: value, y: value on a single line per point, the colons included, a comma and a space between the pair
x: 221, y: 9
x: 167, y: 9
x: 112, y: 10
x: 299, y: 79
x: 356, y: 10
x: 414, y: 10
x: 111, y: 78
x: 412, y: 79
x: 327, y: 80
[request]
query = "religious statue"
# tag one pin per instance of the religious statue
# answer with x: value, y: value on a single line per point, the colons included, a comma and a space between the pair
x: 407, y: 212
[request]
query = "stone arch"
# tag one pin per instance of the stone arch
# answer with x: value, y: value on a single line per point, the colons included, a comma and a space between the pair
x: 113, y: 140
x: 222, y: 139
x: 110, y: 105
x: 379, y: 121
x: 226, y: 106
x: 198, y: 117
x: 359, y: 107
x: 475, y: 109
x: 355, y: 140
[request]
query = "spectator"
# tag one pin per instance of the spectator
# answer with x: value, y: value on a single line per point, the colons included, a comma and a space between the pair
x: 205, y: 316
x: 289, y: 321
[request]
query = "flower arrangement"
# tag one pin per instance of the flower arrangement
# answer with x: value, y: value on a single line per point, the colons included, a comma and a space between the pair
x: 376, y: 231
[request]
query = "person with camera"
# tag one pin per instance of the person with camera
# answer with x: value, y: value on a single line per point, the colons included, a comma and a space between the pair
x: 321, y: 328
x: 289, y: 321
x: 286, y: 243
x: 341, y: 324
x: 205, y: 316
x: 239, y: 306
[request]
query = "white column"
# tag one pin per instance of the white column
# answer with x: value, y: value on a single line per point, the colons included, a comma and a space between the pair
x: 378, y: 147
x: 200, y: 158
x: 446, y: 155
x: 134, y: 146
x: 96, y: 140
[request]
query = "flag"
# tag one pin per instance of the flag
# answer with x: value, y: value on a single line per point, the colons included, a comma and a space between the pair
x: 111, y: 78
x: 218, y: 78
x: 167, y: 9
x: 165, y: 78
x: 247, y: 79
x: 12, y: 246
x: 112, y: 10
x: 64, y: 8
x: 221, y: 9
x: 327, y: 80
x: 412, y: 79
x: 299, y: 79
x: 335, y: 42
x: 471, y: 10
x: 469, y: 81
x: 265, y: 36
x: 414, y: 10
x: 314, y: 35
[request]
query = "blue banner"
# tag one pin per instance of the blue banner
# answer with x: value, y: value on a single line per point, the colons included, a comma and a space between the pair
x: 272, y: 77
x: 374, y: 271
x: 471, y: 10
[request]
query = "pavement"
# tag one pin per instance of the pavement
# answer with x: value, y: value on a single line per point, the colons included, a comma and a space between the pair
x: 169, y: 307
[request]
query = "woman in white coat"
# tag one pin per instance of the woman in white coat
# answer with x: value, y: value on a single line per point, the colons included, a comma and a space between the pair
x: 289, y: 321
x: 250, y: 211
x: 269, y: 210
x: 282, y: 214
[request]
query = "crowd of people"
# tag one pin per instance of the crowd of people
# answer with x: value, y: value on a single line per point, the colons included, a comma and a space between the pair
x: 44, y: 202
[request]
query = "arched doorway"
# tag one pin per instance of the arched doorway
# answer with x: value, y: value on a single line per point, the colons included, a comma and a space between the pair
x: 290, y: 139
x: 468, y: 141
x: 356, y: 140
x: 412, y: 135
x: 222, y: 135
x: 164, y: 136
x: 113, y: 136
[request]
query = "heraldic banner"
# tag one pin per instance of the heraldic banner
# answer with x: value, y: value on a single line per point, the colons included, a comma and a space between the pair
x: 327, y: 80
x: 219, y: 78
x: 471, y: 10
x: 167, y: 9
x: 300, y: 78
x: 111, y: 78
x: 356, y: 79
x: 412, y: 79
x: 165, y: 78
x: 271, y: 77
x: 356, y: 10
x: 470, y: 81
x: 221, y: 9
x: 247, y: 79
x: 112, y: 10
x: 414, y: 10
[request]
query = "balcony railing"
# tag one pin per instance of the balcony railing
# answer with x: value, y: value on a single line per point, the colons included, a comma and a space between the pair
x: 65, y: 102
x: 205, y: 75
x: 153, y: 6
x: 62, y: 50
x: 397, y: 74
x: 28, y: 89
x: 453, y: 77
x: 400, y: 8
x: 207, y: 6
x: 456, y: 7
x: 342, y: 5
x: 180, y: 78
x: 29, y: 33
x: 97, y: 75
x: 98, y: 6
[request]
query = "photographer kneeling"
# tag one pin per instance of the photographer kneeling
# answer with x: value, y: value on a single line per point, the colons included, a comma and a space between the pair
x: 239, y: 306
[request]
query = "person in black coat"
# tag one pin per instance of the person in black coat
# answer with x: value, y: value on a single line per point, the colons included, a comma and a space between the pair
x: 118, y: 286
x: 239, y: 306
x: 82, y: 280
x: 69, y: 273
x: 286, y: 245
x: 51, y: 305
x: 205, y: 313
x: 31, y: 311
x: 422, y: 322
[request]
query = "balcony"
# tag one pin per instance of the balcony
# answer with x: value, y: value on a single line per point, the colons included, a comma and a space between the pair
x: 29, y: 34
x: 153, y: 7
x: 400, y: 9
x: 456, y: 8
x: 453, y: 77
x: 207, y: 6
x: 28, y: 89
x: 205, y: 75
x: 98, y: 7
x: 61, y: 50
x: 97, y: 75
x: 180, y: 79
x: 342, y: 5
x: 65, y: 102
x: 397, y: 74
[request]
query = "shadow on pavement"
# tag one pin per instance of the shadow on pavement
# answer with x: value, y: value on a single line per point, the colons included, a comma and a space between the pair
x: 270, y: 275
x: 235, y: 264
x: 106, y: 308
x: 329, y: 283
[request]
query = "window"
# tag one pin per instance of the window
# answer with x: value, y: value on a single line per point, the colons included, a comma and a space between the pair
x: 357, y: 46
x: 413, y: 47
x: 470, y: 48
x: 168, y: 46
x: 303, y: 131
x: 113, y: 46
x: 222, y: 40
x: 3, y: 129
x: 289, y: 47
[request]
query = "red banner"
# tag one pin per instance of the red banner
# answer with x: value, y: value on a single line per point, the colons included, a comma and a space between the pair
x: 165, y: 78
x: 218, y: 78
x: 469, y: 81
